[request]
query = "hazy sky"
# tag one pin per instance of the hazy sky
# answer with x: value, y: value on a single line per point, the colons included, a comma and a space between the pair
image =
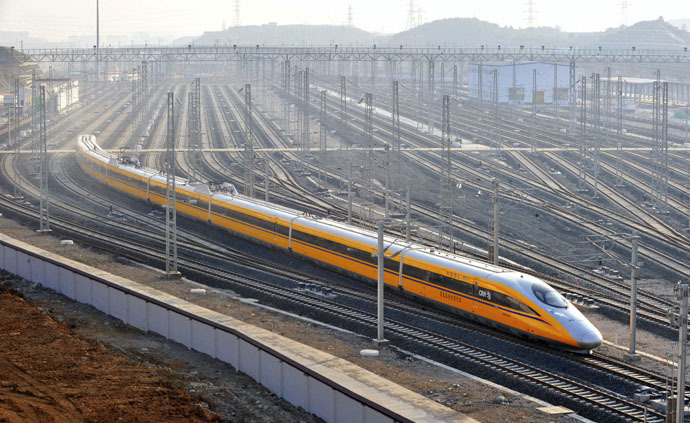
x: 56, y: 20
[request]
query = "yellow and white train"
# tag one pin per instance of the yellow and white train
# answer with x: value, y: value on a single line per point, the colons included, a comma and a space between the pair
x: 506, y: 299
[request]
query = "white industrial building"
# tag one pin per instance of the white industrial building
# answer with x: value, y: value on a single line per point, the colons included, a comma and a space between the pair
x: 61, y: 95
x: 515, y: 82
x: 24, y: 97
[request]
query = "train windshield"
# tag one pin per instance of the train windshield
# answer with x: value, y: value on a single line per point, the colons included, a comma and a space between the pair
x: 548, y: 295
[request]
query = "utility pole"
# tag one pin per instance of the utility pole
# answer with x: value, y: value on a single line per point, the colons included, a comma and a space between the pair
x: 369, y: 152
x: 395, y: 114
x: 286, y: 101
x: 69, y: 84
x: 446, y: 185
x: 495, y: 144
x: 530, y: 13
x: 17, y: 143
x: 144, y: 96
x: 555, y: 90
x: 572, y: 96
x: 388, y: 177
x: 635, y: 238
x: 322, y: 126
x: 607, y: 101
x: 170, y: 195
x: 343, y: 112
x: 596, y: 122
x: 432, y: 79
x: 43, y: 146
x: 534, y: 92
x: 305, y: 112
x: 374, y: 67
x: 420, y: 95
x: 443, y: 78
x: 619, y: 133
x: 664, y: 149
x: 582, y: 169
x: 480, y: 82
x: 431, y: 90
x: 349, y: 190
x: 380, y: 341
x: 682, y: 295
x: 10, y: 112
x: 660, y: 148
x: 135, y: 101
x: 248, y: 143
x: 267, y: 174
x: 494, y: 200
x: 408, y: 216
x: 194, y: 130
x: 237, y: 21
x: 98, y: 44
x: 35, y: 103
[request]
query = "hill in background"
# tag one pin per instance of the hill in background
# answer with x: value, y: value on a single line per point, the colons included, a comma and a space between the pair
x: 466, y: 32
x: 455, y: 32
x: 14, y: 65
x: 298, y: 35
x: 656, y: 34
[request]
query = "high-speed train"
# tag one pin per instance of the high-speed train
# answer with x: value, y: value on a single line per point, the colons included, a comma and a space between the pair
x: 505, y: 299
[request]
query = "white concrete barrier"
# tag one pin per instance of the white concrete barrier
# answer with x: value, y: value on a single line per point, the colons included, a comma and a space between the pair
x: 293, y: 371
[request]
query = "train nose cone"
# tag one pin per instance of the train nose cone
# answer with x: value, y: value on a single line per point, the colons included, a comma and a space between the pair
x: 590, y: 340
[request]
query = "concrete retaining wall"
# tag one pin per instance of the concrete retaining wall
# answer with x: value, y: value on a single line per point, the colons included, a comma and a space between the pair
x: 291, y: 370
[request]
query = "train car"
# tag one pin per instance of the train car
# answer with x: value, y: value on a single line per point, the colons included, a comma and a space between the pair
x: 512, y: 301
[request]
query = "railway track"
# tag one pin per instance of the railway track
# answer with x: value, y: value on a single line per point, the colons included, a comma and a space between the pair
x: 555, y: 382
x: 656, y: 306
x: 657, y: 228
x: 602, y: 401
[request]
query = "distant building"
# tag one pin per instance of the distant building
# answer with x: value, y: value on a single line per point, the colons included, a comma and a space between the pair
x: 23, y: 99
x: 65, y: 95
x: 515, y: 82
x: 60, y: 95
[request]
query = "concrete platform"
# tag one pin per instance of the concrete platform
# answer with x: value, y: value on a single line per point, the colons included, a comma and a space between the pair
x: 330, y: 387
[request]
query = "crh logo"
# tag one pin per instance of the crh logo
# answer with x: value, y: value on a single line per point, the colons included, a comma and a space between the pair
x: 484, y: 294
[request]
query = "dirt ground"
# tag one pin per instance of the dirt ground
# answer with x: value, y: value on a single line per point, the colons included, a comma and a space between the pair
x: 210, y: 388
x: 51, y: 375
x: 61, y: 361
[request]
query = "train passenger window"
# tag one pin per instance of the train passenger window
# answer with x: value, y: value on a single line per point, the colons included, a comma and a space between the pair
x: 157, y: 189
x: 437, y: 279
x: 548, y: 295
x: 463, y: 287
x: 391, y: 264
x: 416, y: 272
x: 451, y: 283
x: 283, y: 230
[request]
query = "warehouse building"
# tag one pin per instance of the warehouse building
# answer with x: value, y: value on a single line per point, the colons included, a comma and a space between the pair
x: 514, y: 83
x: 61, y: 94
